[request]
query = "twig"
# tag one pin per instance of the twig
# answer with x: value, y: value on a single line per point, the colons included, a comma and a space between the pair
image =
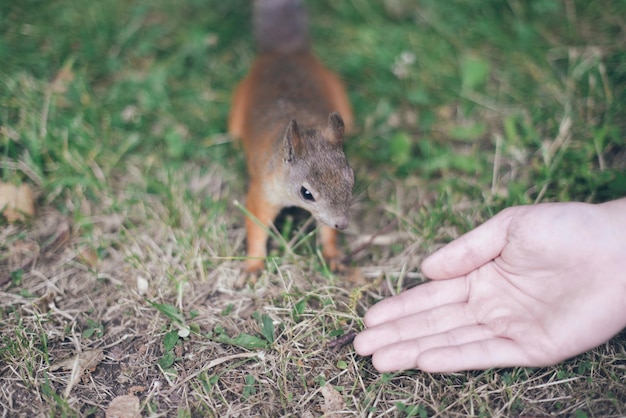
x: 368, y: 243
x: 340, y: 342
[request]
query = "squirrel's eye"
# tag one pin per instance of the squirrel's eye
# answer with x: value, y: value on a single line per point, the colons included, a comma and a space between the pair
x: 306, y: 194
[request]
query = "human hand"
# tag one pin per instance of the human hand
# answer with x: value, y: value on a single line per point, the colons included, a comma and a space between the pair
x: 532, y: 286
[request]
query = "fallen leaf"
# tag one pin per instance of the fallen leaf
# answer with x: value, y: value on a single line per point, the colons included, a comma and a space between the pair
x: 81, y: 365
x: 87, y: 361
x: 16, y: 202
x: 136, y: 389
x: 341, y: 341
x: 88, y: 257
x: 46, y: 301
x: 125, y: 406
x: 333, y: 402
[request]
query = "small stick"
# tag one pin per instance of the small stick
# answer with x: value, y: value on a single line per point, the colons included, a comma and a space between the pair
x: 367, y: 244
x: 340, y: 342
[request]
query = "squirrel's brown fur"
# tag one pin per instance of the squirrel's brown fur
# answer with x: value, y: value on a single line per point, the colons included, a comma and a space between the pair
x: 290, y: 112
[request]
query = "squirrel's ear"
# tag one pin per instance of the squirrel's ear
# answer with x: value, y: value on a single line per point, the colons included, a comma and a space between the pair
x: 335, y: 128
x: 293, y: 146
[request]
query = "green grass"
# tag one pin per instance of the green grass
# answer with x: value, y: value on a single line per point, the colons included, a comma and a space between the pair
x: 115, y: 112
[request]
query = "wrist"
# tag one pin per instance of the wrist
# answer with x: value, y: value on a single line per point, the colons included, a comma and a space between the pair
x: 613, y: 213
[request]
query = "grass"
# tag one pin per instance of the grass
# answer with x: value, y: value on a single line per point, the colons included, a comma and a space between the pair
x: 115, y: 113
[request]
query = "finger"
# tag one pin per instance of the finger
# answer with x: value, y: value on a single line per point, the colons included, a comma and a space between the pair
x: 418, y: 299
x: 477, y: 355
x: 410, y: 328
x: 406, y: 354
x: 471, y: 250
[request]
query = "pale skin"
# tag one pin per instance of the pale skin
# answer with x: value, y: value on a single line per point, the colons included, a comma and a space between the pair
x: 533, y: 286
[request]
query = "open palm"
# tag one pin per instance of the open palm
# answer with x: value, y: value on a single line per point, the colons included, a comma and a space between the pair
x: 531, y: 287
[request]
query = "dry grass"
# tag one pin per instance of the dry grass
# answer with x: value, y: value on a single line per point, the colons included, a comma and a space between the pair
x: 76, y: 299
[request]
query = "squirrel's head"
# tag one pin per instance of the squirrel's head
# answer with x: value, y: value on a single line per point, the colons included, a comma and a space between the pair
x: 318, y: 176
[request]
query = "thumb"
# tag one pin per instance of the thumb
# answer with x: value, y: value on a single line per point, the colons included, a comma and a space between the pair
x: 471, y: 250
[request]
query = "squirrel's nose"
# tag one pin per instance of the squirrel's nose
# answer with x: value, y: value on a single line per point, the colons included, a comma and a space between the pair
x: 342, y: 223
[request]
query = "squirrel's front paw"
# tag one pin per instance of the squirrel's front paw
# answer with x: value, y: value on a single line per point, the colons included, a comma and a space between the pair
x: 336, y: 263
x: 250, y: 272
x: 254, y: 265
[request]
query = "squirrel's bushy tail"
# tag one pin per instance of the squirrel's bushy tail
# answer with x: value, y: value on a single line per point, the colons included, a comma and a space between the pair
x: 280, y: 26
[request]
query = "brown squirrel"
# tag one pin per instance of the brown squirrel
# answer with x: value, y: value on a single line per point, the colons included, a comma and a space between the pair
x: 291, y: 112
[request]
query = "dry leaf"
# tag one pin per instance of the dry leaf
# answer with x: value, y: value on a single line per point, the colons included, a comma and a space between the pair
x: 136, y: 389
x: 342, y: 341
x: 87, y: 361
x: 81, y: 365
x: 88, y: 256
x: 46, y: 301
x: 126, y: 406
x: 333, y: 402
x: 16, y: 202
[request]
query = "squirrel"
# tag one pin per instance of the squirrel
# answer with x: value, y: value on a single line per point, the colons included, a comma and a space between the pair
x: 290, y: 113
